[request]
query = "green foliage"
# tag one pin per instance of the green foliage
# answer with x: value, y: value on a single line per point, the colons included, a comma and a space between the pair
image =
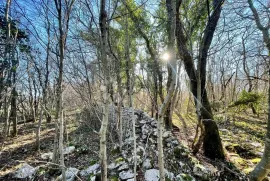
x: 247, y: 99
x: 93, y: 162
x: 120, y: 159
x: 116, y: 151
x: 90, y: 177
x: 193, y: 21
x: 114, y: 178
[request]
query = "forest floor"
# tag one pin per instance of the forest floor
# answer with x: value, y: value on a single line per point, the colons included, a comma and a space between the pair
x: 21, y: 149
x: 242, y: 136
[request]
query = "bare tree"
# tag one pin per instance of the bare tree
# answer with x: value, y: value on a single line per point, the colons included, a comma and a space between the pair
x: 105, y: 70
x: 211, y: 140
x: 263, y: 167
x: 63, y: 9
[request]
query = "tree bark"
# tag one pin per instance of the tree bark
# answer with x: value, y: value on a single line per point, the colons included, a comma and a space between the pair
x: 262, y: 169
x: 211, y: 129
x: 105, y: 68
x: 63, y: 14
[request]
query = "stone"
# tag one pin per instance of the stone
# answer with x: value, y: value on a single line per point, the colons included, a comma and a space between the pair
x: 224, y: 130
x: 145, y: 129
x: 147, y: 164
x: 140, y: 150
x: 151, y: 175
x: 112, y: 166
x: 25, y: 171
x: 255, y: 144
x: 69, y: 150
x: 93, y: 178
x: 184, y: 177
x: 70, y: 174
x: 142, y: 122
x: 175, y: 142
x: 90, y: 170
x: 166, y: 134
x: 259, y: 153
x: 47, y: 156
x: 124, y: 175
x: 154, y: 123
x: 123, y: 167
x: 203, y: 172
x: 118, y: 164
x: 169, y: 175
x: 199, y: 170
x: 144, y: 137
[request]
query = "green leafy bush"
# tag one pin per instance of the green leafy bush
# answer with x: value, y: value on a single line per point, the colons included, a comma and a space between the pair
x: 247, y: 99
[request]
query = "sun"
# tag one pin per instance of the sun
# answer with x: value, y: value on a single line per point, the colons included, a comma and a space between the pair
x: 165, y: 56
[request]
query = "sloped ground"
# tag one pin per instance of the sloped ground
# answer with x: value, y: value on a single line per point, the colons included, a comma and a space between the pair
x: 21, y: 149
x: 243, y: 138
x: 180, y: 163
x: 178, y: 158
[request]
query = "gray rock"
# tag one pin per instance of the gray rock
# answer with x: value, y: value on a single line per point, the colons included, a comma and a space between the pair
x: 144, y: 137
x: 224, y: 130
x: 112, y: 166
x: 166, y: 134
x: 123, y: 167
x: 70, y: 174
x: 255, y: 144
x: 175, y: 142
x: 90, y: 170
x: 25, y: 171
x: 126, y: 175
x: 184, y: 177
x: 93, y: 178
x: 140, y: 150
x: 204, y: 172
x: 169, y: 175
x: 69, y: 150
x: 154, y: 124
x: 142, y: 122
x: 145, y: 129
x: 120, y: 163
x: 47, y: 156
x: 151, y: 175
x: 147, y: 164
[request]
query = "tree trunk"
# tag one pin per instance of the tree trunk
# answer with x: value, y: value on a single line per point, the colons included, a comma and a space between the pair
x: 262, y: 169
x: 7, y: 118
x: 170, y: 4
x: 134, y: 144
x: 105, y: 68
x: 246, y: 70
x: 63, y: 27
x: 211, y: 129
x: 38, y: 131
x: 13, y: 110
